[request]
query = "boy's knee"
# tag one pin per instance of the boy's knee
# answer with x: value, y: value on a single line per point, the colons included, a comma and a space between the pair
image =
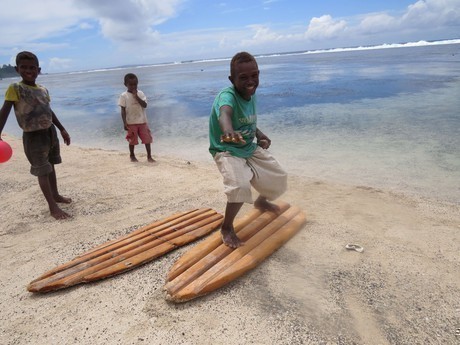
x: 239, y: 193
x: 41, y: 170
x: 271, y: 187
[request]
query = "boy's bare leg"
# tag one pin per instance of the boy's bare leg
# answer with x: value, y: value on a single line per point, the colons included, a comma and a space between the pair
x: 131, y: 153
x: 56, y: 212
x: 264, y: 205
x: 149, y: 153
x: 229, y: 236
x: 54, y: 189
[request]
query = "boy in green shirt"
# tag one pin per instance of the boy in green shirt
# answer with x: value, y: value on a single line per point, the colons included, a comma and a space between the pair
x: 242, y: 162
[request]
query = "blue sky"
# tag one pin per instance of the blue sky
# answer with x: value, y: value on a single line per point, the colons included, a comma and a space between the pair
x: 74, y: 35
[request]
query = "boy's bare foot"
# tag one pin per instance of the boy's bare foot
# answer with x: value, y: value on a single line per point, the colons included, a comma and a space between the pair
x: 264, y: 205
x: 151, y: 160
x: 133, y: 158
x: 230, y: 239
x: 62, y: 199
x: 59, y: 214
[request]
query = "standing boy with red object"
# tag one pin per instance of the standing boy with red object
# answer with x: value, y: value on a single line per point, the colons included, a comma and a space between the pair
x: 34, y: 115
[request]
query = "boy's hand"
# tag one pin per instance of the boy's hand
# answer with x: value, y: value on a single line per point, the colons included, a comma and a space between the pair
x: 232, y: 137
x: 65, y: 136
x: 139, y: 100
x: 264, y: 143
x: 262, y: 140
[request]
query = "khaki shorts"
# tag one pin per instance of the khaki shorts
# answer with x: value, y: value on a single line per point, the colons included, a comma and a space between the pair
x: 261, y: 171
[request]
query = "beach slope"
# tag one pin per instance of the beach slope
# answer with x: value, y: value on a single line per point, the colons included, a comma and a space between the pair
x: 402, y: 289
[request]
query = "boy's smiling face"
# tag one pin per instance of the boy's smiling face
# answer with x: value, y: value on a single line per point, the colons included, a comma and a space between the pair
x: 28, y: 70
x: 245, y: 78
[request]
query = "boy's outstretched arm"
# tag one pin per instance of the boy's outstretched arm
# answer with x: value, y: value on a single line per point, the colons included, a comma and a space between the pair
x: 4, y: 113
x: 64, y: 133
x: 225, y: 122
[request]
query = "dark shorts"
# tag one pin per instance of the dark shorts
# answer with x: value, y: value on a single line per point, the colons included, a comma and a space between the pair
x: 42, y: 150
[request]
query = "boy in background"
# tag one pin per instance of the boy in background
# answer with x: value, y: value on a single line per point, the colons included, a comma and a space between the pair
x: 242, y: 162
x: 34, y: 115
x: 133, y: 104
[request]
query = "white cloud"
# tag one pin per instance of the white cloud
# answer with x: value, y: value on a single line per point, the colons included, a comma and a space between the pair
x: 121, y: 21
x: 262, y: 35
x: 131, y: 22
x: 432, y: 12
x: 325, y: 27
x: 38, y: 26
x: 86, y: 26
x: 378, y: 22
x: 58, y: 17
x: 422, y: 16
x: 118, y: 32
x: 59, y: 63
x: 422, y: 19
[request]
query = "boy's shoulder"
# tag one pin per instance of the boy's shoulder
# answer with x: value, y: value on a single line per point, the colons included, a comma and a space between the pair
x: 228, y: 89
x: 20, y: 84
x: 124, y: 96
x: 16, y: 85
x: 230, y: 95
x: 227, y: 93
x: 19, y: 89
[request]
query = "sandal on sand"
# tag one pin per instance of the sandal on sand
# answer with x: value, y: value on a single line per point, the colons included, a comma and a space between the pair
x: 355, y: 247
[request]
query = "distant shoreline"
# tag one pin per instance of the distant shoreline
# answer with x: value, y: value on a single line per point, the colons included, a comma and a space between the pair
x: 421, y: 43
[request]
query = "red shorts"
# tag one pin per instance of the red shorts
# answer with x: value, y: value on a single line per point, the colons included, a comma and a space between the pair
x: 142, y: 131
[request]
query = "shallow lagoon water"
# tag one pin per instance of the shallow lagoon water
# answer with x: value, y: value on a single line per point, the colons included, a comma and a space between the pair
x: 382, y: 118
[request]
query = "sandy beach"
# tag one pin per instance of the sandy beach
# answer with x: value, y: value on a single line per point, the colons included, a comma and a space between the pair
x: 404, y: 288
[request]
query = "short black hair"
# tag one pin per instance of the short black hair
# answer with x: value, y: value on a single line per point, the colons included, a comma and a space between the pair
x: 240, y: 57
x: 25, y: 55
x: 130, y: 76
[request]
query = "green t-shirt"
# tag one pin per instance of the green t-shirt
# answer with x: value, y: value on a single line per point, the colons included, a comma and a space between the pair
x: 244, y: 120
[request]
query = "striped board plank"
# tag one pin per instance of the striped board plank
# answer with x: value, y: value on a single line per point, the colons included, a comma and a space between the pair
x: 211, y: 264
x: 129, y: 251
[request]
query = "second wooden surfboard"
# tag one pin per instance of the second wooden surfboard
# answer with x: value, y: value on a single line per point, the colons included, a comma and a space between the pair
x: 211, y: 264
x: 134, y: 249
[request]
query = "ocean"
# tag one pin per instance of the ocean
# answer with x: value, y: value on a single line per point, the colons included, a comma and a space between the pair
x: 385, y: 117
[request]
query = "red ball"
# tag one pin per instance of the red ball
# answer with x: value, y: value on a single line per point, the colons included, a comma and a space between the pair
x: 5, y: 151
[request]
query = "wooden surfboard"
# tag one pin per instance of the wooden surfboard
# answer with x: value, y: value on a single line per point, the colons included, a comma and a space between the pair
x: 211, y: 264
x: 131, y: 250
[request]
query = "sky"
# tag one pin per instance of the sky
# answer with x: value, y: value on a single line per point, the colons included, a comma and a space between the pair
x: 78, y: 35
